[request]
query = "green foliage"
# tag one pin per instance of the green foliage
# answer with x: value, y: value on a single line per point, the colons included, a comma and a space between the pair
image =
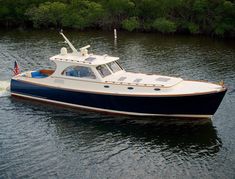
x: 149, y: 9
x: 48, y: 13
x: 147, y: 25
x: 200, y: 6
x: 78, y: 14
x: 214, y: 17
x: 118, y: 7
x: 224, y: 19
x: 223, y: 28
x: 130, y: 24
x: 163, y: 25
x: 82, y: 13
x: 116, y: 11
x: 193, y: 28
x: 4, y: 12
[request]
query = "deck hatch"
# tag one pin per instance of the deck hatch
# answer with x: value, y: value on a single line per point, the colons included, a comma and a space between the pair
x: 163, y: 79
x: 122, y: 78
x: 137, y: 80
x: 90, y: 59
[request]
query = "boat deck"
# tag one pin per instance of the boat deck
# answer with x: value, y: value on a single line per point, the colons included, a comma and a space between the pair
x: 141, y: 79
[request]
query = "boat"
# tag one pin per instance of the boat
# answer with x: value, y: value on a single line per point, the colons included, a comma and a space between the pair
x: 98, y: 82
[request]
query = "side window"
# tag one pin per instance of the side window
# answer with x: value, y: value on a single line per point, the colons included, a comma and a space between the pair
x: 114, y: 67
x: 103, y: 70
x: 79, y: 71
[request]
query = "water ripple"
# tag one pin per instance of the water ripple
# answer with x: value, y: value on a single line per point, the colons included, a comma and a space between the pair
x: 44, y: 141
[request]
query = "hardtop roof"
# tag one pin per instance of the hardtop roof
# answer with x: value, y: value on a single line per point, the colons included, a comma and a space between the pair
x: 88, y: 59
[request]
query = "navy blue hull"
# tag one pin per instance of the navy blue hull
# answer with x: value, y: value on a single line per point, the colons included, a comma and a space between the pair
x: 205, y: 104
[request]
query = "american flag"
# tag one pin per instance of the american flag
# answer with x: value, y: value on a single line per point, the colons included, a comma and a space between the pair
x: 16, y: 69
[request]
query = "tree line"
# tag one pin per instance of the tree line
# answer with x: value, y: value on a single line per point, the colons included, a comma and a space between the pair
x: 212, y: 17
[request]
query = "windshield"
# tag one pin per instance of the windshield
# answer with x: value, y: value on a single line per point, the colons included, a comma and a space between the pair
x: 103, y: 70
x: 79, y: 71
x: 114, y: 66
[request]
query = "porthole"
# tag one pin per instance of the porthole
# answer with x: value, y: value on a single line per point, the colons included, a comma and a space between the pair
x: 130, y: 88
x: 106, y: 86
x: 157, y: 89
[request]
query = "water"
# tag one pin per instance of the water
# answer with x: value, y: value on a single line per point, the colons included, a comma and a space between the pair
x: 4, y: 88
x: 40, y: 141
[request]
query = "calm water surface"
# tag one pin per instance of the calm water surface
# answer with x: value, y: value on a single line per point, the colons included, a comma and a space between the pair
x: 39, y: 140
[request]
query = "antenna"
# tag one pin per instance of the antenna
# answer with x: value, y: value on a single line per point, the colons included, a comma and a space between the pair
x: 68, y: 42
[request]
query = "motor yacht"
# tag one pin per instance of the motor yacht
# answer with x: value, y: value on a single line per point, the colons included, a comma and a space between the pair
x: 100, y: 83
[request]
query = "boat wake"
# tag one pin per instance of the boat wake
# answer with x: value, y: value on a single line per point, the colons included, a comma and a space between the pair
x: 4, y: 88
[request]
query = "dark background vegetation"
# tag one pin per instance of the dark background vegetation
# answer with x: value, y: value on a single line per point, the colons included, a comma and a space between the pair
x: 211, y: 17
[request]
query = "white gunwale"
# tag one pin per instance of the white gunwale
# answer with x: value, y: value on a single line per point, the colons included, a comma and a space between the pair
x: 123, y: 94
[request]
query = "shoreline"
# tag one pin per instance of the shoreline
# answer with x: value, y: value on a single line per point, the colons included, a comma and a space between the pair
x: 201, y: 35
